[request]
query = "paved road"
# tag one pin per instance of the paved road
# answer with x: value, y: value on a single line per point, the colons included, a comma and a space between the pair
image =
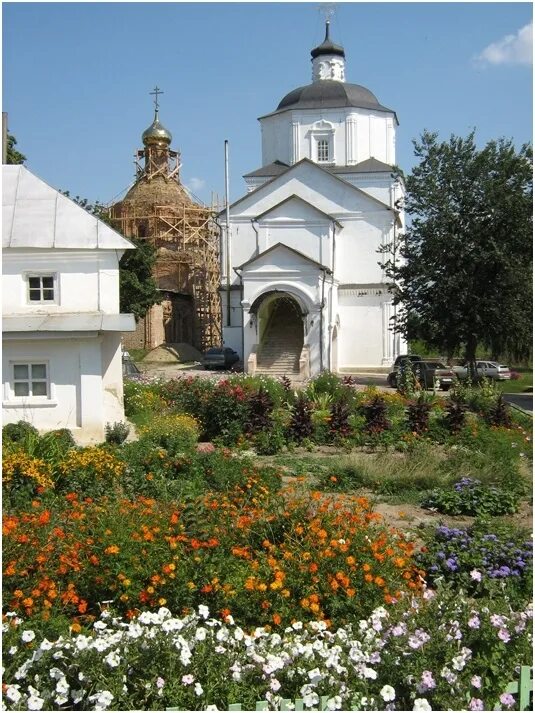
x: 523, y: 401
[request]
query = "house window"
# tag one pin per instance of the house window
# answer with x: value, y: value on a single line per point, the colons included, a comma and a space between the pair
x: 30, y: 380
x: 41, y: 288
x: 323, y: 150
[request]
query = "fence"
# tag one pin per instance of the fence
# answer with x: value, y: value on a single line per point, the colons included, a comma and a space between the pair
x: 523, y: 688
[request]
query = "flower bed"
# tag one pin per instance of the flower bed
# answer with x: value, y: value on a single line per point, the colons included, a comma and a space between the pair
x: 431, y: 657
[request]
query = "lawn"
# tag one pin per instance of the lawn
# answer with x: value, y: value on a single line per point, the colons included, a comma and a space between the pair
x: 245, y: 548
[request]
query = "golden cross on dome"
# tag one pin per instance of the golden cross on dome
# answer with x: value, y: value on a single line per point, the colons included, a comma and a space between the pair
x: 156, y: 91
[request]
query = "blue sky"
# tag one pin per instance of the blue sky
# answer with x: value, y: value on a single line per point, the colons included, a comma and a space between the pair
x: 77, y: 77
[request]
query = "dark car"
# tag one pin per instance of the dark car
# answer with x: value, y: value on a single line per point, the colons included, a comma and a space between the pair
x: 220, y: 358
x: 402, y: 359
x: 429, y: 374
x: 433, y: 374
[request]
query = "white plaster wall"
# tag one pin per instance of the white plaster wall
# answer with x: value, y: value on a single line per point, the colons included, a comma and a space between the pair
x: 63, y: 358
x: 88, y: 281
x: 357, y: 259
x: 360, y: 335
x: 375, y: 186
x: 372, y: 134
x: 112, y: 377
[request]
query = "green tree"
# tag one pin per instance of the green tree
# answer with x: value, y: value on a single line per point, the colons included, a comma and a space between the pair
x: 462, y: 270
x: 13, y: 156
x: 138, y: 289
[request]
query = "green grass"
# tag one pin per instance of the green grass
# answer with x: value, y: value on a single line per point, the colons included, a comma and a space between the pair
x: 518, y: 386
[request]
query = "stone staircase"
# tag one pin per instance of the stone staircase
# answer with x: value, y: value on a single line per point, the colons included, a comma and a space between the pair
x: 279, y: 353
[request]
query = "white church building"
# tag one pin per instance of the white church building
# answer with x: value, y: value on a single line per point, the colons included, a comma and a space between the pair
x: 61, y: 323
x: 300, y: 260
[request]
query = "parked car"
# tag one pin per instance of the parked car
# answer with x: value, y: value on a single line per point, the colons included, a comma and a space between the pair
x: 219, y: 358
x: 430, y: 374
x: 488, y: 369
x: 402, y: 359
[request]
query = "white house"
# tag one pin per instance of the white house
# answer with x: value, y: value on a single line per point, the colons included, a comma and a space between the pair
x: 61, y: 361
x: 300, y: 263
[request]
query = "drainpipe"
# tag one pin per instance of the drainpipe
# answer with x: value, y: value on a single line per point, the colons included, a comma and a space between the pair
x: 253, y: 221
x: 331, y: 301
x: 238, y: 272
x: 321, y: 317
x: 227, y: 218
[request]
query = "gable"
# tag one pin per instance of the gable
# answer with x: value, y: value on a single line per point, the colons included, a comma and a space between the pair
x: 281, y: 257
x: 35, y: 215
x: 294, y: 210
x: 315, y: 186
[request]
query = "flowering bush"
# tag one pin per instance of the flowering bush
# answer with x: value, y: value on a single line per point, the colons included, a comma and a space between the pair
x: 92, y: 471
x: 140, y: 397
x: 23, y: 477
x: 174, y: 432
x: 480, y: 562
x: 472, y: 497
x: 441, y: 654
x: 266, y: 559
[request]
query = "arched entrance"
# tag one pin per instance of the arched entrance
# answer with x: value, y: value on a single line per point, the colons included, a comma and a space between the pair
x: 280, y: 334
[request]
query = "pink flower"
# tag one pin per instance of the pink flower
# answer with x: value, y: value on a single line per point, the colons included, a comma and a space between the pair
x: 476, y: 576
x: 506, y: 699
x: 504, y: 635
x: 476, y: 681
x: 476, y: 704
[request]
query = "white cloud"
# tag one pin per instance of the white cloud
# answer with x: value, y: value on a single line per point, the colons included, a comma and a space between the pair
x: 511, y: 49
x: 195, y: 184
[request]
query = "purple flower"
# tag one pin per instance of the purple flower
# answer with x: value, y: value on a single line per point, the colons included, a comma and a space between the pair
x: 475, y: 575
x: 474, y: 622
x: 476, y: 704
x: 428, y: 682
x: 476, y: 681
x: 504, y: 635
x: 506, y: 699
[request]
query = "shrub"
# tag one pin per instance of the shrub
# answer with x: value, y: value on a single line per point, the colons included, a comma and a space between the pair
x: 480, y: 563
x: 499, y: 414
x: 24, y: 477
x: 270, y: 442
x: 260, y: 410
x: 375, y: 414
x: 15, y: 432
x: 226, y: 413
x: 455, y: 415
x: 340, y: 427
x: 63, y: 438
x: 301, y: 426
x: 418, y: 411
x: 173, y: 432
x: 117, y: 432
x: 91, y: 471
x: 141, y: 398
x: 471, y: 497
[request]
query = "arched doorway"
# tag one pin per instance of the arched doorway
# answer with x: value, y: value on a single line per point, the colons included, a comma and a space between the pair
x: 280, y: 334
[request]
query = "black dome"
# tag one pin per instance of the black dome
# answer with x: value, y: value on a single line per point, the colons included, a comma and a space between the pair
x: 327, y: 47
x: 330, y: 93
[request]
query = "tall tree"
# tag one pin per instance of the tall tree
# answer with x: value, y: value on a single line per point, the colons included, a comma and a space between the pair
x: 463, y: 268
x: 138, y: 289
x: 13, y: 156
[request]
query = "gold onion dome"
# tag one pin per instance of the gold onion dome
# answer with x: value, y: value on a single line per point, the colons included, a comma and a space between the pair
x: 156, y: 133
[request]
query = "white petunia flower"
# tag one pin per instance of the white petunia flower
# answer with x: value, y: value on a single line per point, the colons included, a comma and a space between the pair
x: 387, y: 693
x: 28, y: 636
x: 204, y: 611
x: 188, y: 679
x: 61, y: 699
x: 334, y: 704
x: 35, y: 703
x: 99, y: 625
x: 421, y: 704
x: 113, y: 659
x: 13, y: 650
x: 45, y: 645
x: 13, y: 693
x: 198, y: 689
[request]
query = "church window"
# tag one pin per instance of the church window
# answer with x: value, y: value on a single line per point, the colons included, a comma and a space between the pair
x: 323, y: 150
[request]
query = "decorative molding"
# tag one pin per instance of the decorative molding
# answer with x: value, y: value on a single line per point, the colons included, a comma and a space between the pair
x: 296, y: 154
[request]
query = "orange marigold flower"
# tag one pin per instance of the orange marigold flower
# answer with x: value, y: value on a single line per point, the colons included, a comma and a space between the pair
x: 366, y: 567
x: 111, y: 550
x: 313, y: 567
x: 368, y: 577
x: 277, y: 619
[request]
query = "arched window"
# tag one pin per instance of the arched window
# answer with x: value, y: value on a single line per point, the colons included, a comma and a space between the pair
x: 322, y: 142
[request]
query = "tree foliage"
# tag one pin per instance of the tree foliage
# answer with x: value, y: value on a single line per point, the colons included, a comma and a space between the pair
x: 462, y: 270
x: 13, y: 156
x: 138, y: 289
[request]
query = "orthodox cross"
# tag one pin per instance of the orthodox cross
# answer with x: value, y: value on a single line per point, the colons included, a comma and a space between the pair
x: 156, y: 91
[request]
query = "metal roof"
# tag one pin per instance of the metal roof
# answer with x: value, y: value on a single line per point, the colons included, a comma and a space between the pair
x: 35, y: 215
x: 272, y: 169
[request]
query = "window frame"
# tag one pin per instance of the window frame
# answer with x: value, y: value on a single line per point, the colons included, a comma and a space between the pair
x: 41, y: 274
x: 322, y: 146
x: 13, y: 400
